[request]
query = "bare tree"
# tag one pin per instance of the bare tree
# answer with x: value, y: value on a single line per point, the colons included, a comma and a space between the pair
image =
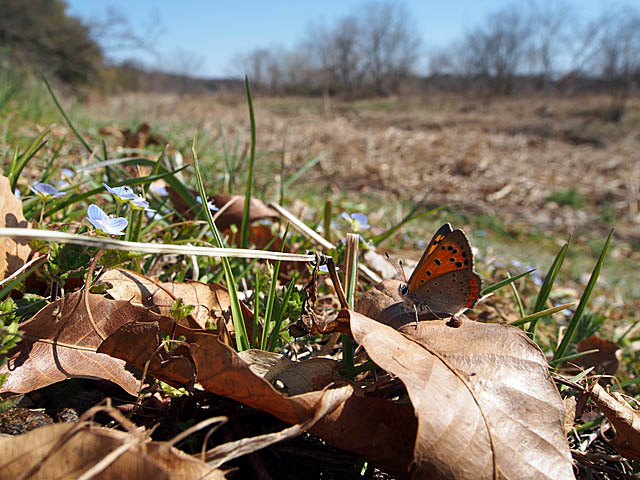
x: 617, y: 55
x: 390, y: 44
x: 335, y: 54
x: 116, y: 34
x: 496, y: 52
x: 258, y: 65
x: 549, y: 21
x: 345, y: 56
x: 363, y: 52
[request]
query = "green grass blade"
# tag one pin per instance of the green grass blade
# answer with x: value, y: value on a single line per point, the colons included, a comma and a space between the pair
x: 275, y: 331
x: 506, y: 281
x: 626, y: 332
x: 541, y: 313
x: 351, y: 278
x: 271, y: 298
x: 547, y: 284
x: 573, y: 323
x: 378, y: 239
x: 301, y: 171
x: 46, y: 174
x: 229, y: 168
x: 66, y: 117
x: 517, y: 297
x: 242, y: 339
x: 12, y: 164
x: 21, y: 161
x: 573, y: 356
x: 244, y: 226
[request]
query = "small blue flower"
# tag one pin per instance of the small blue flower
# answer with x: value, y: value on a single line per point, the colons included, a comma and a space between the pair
x: 68, y: 172
x: 104, y: 223
x: 140, y: 203
x: 210, y: 204
x: 122, y: 194
x: 45, y: 191
x: 358, y: 221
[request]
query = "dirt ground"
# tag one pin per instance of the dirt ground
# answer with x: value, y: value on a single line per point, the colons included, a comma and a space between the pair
x: 500, y: 157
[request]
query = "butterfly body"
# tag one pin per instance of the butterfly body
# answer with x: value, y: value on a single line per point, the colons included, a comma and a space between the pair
x: 444, y: 282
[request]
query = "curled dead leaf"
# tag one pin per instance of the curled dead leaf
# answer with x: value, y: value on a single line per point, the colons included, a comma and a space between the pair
x: 13, y: 255
x: 605, y: 359
x: 211, y: 301
x: 61, y: 341
x: 140, y: 342
x: 480, y: 392
x: 232, y: 215
x: 379, y: 430
x: 624, y: 418
x: 296, y: 377
x: 67, y: 450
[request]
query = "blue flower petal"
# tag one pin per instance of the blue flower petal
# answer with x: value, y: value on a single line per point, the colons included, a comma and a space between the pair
x: 45, y: 190
x: 102, y: 222
x: 124, y: 192
x: 115, y: 226
x: 95, y: 213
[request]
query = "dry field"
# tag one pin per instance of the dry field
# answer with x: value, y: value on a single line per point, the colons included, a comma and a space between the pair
x: 499, y: 157
x: 548, y: 166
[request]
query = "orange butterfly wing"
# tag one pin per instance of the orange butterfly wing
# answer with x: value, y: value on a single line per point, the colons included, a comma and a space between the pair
x: 448, y: 250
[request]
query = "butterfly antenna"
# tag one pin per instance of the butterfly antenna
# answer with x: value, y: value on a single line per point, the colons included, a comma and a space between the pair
x: 401, y: 270
x: 398, y: 267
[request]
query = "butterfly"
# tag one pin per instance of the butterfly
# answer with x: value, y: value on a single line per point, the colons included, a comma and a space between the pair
x: 444, y: 282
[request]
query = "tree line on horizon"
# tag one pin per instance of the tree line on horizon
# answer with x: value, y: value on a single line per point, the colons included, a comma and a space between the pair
x: 377, y: 50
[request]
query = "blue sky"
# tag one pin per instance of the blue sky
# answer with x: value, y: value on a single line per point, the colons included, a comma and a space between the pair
x: 213, y: 32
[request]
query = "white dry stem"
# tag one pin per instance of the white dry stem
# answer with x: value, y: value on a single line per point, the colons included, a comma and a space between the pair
x: 140, y: 247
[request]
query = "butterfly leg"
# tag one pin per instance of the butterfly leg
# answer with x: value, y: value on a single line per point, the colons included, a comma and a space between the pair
x: 415, y: 311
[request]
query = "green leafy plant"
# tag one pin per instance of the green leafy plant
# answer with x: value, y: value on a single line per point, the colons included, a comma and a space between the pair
x: 9, y: 336
x: 569, y: 197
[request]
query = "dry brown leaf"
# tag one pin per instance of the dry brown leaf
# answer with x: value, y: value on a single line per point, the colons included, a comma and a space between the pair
x: 330, y: 400
x: 485, y: 402
x: 211, y: 300
x: 605, y: 359
x: 60, y: 342
x: 624, y: 419
x: 233, y: 215
x: 379, y: 430
x: 570, y: 404
x: 139, y: 341
x: 13, y: 255
x: 296, y: 377
x: 57, y: 452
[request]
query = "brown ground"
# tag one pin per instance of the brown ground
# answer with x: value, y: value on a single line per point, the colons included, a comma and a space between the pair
x: 501, y: 157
